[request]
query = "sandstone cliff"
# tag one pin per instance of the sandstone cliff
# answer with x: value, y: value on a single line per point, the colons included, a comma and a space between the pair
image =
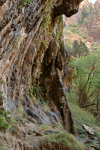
x: 32, y: 59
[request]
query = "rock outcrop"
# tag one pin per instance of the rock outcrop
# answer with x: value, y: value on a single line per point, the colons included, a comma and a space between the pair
x: 76, y: 17
x: 32, y: 57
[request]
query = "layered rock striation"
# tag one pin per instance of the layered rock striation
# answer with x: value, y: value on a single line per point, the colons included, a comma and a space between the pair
x: 32, y: 58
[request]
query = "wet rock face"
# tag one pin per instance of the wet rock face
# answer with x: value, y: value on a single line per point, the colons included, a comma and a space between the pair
x: 30, y: 53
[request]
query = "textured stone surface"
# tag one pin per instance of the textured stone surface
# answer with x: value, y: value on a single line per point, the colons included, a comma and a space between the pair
x: 31, y: 49
x: 88, y: 129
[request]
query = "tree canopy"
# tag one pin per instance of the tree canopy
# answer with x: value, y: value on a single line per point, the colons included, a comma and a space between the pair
x: 80, y: 49
x: 86, y: 80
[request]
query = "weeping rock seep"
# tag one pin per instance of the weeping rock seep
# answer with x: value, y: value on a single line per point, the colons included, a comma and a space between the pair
x: 31, y: 54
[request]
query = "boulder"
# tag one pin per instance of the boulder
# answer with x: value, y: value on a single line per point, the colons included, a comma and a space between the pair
x: 88, y: 129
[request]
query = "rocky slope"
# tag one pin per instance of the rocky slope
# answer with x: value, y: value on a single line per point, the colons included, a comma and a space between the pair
x: 32, y: 61
x: 91, y: 24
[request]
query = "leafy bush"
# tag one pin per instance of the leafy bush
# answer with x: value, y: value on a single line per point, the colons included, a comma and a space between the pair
x: 24, y: 2
x: 1, y: 92
x: 3, y: 123
x: 36, y: 92
x: 2, y: 112
x: 80, y: 49
x: 6, y: 120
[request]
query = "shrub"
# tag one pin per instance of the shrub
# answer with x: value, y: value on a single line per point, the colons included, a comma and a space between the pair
x: 6, y: 120
x: 36, y: 92
x: 3, y: 123
x: 24, y: 2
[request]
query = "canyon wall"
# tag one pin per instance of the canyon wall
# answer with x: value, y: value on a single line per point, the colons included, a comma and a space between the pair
x: 32, y: 58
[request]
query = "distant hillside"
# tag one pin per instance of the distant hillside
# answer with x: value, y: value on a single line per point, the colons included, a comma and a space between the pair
x: 92, y: 23
x: 75, y: 18
x: 85, y: 26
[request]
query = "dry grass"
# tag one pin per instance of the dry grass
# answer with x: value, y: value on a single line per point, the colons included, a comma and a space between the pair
x: 45, y: 127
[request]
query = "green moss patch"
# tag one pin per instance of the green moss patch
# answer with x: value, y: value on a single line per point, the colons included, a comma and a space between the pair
x: 65, y: 140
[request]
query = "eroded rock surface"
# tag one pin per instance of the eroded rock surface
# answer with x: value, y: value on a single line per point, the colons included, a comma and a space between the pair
x: 32, y: 58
